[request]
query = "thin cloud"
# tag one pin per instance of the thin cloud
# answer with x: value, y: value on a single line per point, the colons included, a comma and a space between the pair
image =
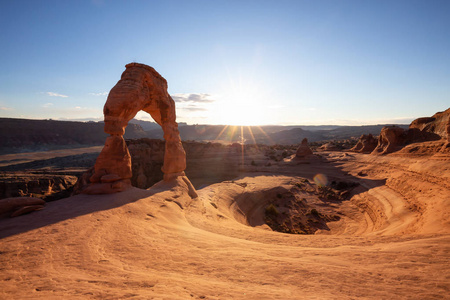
x: 47, y: 105
x: 51, y: 94
x: 194, y: 98
x: 99, y: 94
x: 194, y: 108
x: 6, y: 108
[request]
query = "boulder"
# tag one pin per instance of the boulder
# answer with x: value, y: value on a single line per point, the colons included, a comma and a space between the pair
x: 10, y: 204
x: 303, y: 150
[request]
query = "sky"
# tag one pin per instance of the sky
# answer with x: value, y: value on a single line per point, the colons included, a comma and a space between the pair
x: 231, y: 62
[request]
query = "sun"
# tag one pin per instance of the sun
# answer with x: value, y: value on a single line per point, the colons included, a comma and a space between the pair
x: 241, y: 106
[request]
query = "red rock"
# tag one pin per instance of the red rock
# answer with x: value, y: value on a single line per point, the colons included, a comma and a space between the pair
x: 391, y: 139
x: 303, y: 150
x: 140, y: 88
x: 366, y: 144
x: 9, y: 204
x: 438, y: 124
x: 110, y: 178
x: 26, y: 209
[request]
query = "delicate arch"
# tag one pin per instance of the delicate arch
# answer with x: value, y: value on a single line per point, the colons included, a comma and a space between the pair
x: 140, y: 88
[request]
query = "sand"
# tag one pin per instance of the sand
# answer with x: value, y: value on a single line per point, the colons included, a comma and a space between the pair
x: 392, y: 241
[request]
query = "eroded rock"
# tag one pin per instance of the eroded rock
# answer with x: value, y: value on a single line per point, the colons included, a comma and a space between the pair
x: 303, y: 150
x: 366, y: 144
x: 140, y: 88
x: 10, y: 204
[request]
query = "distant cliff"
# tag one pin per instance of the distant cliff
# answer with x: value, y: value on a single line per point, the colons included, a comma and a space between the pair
x: 23, y: 135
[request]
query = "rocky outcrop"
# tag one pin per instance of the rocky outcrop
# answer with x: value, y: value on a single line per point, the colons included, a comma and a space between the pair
x: 438, y: 124
x: 147, y: 157
x: 20, y: 205
x: 303, y: 150
x: 140, y: 88
x: 391, y: 139
x: 47, y: 186
x: 366, y: 144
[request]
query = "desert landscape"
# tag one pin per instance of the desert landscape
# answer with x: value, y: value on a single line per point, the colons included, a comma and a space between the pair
x: 391, y: 239
x: 276, y: 149
x: 156, y: 219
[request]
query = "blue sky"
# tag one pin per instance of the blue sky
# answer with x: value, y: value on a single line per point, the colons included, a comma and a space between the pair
x: 231, y: 62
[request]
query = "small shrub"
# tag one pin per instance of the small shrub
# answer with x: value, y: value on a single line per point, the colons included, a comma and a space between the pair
x: 314, y: 212
x: 271, y: 211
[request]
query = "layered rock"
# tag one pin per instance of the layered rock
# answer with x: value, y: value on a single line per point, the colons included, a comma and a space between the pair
x: 393, y: 138
x: 46, y: 186
x: 438, y: 124
x: 303, y: 150
x: 366, y: 144
x: 140, y: 88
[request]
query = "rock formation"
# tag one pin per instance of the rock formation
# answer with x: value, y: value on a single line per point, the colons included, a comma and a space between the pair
x: 303, y: 150
x: 366, y: 144
x: 438, y: 124
x: 140, y: 88
x: 20, y: 205
x: 393, y: 138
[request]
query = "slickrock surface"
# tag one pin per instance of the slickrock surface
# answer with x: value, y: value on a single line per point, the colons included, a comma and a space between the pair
x: 392, y: 240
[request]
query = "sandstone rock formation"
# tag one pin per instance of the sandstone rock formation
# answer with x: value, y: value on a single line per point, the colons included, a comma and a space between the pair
x: 20, y: 205
x: 391, y: 139
x: 366, y: 144
x: 140, y: 88
x: 33, y: 184
x: 303, y: 150
x: 438, y: 124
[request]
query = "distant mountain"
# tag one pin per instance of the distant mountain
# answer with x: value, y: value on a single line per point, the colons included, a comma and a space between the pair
x: 22, y: 135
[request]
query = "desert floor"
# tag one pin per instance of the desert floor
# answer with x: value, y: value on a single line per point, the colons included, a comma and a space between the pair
x: 392, y: 241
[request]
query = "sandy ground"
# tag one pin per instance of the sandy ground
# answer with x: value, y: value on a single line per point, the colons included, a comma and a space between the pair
x: 392, y: 241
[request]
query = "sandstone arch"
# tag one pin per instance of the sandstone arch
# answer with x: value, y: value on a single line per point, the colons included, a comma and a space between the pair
x: 140, y: 88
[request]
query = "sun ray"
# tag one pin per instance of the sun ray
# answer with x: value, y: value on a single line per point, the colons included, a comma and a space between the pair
x: 250, y: 131
x: 233, y: 130
x: 223, y: 130
x: 265, y: 134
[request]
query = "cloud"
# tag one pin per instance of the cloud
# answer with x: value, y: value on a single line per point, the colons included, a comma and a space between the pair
x: 46, y: 105
x: 51, y: 94
x: 195, y: 98
x: 194, y: 108
x: 99, y: 94
x: 6, y: 108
